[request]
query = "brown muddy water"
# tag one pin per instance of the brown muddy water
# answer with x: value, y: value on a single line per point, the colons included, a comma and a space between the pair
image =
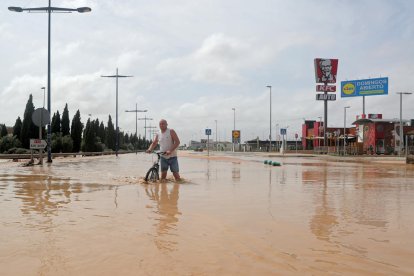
x: 231, y: 216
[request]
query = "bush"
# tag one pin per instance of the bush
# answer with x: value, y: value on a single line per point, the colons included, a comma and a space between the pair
x: 18, y: 151
x: 8, y: 142
x: 67, y: 143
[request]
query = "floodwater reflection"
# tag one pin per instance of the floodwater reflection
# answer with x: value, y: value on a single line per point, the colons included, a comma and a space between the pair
x: 165, y: 198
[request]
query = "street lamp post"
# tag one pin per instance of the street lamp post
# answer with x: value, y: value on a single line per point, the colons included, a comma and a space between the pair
x: 216, y: 135
x: 270, y: 133
x: 117, y: 129
x: 136, y: 123
x: 234, y: 126
x: 345, y: 127
x: 49, y: 9
x: 401, y: 123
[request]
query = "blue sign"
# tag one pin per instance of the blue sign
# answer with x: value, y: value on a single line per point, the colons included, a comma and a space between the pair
x: 368, y: 87
x: 208, y: 131
x: 283, y: 131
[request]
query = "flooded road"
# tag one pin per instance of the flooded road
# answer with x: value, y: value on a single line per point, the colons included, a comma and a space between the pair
x: 231, y: 216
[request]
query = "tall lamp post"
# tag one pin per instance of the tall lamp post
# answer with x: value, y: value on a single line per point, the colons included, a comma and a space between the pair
x: 270, y: 133
x: 234, y: 126
x: 49, y: 9
x: 345, y: 108
x: 216, y: 135
x: 117, y: 129
x: 136, y: 122
x: 401, y: 124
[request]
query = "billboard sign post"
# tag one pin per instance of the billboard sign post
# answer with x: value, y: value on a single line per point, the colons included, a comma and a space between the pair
x: 326, y: 70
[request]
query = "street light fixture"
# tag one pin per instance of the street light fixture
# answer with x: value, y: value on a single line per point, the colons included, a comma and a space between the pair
x: 49, y: 9
x: 345, y: 127
x: 401, y: 126
x: 136, y: 122
x: 270, y: 133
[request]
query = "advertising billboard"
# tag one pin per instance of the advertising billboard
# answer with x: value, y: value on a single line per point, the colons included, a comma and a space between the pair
x: 325, y: 70
x: 367, y: 87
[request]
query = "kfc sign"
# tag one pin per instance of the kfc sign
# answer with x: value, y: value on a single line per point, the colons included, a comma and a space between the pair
x: 325, y: 88
x: 325, y: 70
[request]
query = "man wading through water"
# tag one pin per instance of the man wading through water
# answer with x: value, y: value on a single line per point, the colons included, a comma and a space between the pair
x: 169, y: 143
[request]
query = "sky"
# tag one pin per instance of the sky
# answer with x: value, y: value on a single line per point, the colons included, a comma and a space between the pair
x: 192, y: 62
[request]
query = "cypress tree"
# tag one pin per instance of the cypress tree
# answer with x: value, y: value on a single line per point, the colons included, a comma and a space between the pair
x: 101, y: 132
x: 28, y: 128
x: 110, y: 135
x: 89, y: 136
x: 3, y: 131
x: 17, y: 129
x: 65, y: 121
x: 56, y: 122
x: 76, y: 131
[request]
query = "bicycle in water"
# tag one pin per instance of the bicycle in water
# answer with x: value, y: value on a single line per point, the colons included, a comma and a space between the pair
x: 153, y: 173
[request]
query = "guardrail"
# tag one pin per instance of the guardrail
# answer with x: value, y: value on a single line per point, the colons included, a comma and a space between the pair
x: 61, y: 154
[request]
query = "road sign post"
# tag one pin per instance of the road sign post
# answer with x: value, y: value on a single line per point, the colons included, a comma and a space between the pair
x: 40, y: 118
x: 208, y: 133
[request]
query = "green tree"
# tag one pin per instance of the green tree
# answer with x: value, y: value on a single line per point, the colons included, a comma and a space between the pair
x: 110, y: 135
x: 101, y: 132
x: 3, y: 130
x: 76, y: 132
x: 65, y: 121
x: 29, y: 130
x: 89, y: 137
x: 56, y: 122
x: 17, y: 129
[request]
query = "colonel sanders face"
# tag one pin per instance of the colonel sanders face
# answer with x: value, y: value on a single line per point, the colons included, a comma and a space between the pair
x: 326, y: 68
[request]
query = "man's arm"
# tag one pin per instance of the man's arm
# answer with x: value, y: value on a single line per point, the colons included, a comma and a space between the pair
x: 176, y: 141
x: 153, y: 144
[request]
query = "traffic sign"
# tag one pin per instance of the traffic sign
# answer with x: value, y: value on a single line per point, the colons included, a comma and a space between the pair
x: 37, y: 144
x: 41, y: 117
x: 283, y: 131
x: 296, y: 135
x: 208, y: 131
x: 236, y: 136
x: 327, y: 97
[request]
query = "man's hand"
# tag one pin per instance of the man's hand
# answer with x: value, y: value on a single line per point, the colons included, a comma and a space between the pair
x: 168, y: 152
x: 148, y: 151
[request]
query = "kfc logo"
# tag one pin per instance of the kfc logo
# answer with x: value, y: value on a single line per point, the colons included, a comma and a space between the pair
x: 325, y: 70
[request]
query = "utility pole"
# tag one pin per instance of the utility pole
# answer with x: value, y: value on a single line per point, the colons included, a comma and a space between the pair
x: 145, y: 125
x: 117, y: 128
x: 136, y: 123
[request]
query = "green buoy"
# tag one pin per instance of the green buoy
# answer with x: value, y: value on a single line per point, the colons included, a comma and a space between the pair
x: 265, y: 162
x: 276, y: 164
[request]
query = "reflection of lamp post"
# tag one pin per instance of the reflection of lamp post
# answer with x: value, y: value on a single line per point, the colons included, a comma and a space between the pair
x: 136, y: 123
x: 49, y: 10
x: 345, y: 127
x: 401, y: 125
x: 234, y: 126
x: 270, y: 133
x: 216, y: 135
x: 117, y: 129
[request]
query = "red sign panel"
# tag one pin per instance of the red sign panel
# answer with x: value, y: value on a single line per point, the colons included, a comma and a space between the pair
x: 325, y: 88
x: 325, y: 70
